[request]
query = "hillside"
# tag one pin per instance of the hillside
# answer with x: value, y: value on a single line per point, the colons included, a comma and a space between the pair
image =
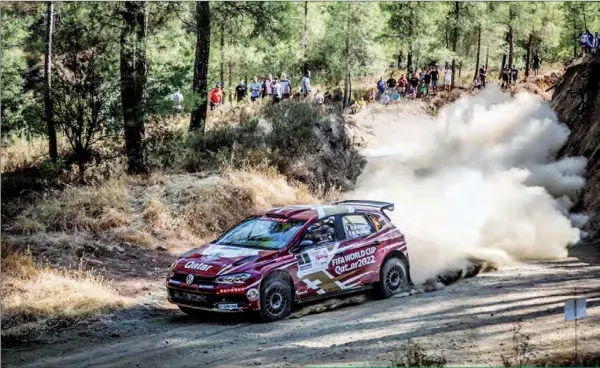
x: 577, y: 103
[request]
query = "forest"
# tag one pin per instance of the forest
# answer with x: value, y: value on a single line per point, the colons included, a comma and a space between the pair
x: 90, y: 74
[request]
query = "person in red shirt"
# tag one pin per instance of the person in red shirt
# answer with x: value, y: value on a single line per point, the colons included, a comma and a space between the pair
x: 216, y: 96
x: 402, y: 81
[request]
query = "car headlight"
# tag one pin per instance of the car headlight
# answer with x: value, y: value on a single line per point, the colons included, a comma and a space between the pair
x: 236, y: 278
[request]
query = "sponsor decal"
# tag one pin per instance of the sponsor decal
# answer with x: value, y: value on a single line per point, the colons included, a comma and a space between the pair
x: 193, y: 265
x: 313, y: 260
x: 354, y: 260
x: 252, y: 295
x: 206, y: 287
x: 189, y: 279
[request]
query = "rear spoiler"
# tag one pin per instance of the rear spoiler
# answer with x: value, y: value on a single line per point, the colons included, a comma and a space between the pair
x: 357, y: 202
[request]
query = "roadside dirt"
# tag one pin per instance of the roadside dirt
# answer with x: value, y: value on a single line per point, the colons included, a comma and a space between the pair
x: 470, y: 322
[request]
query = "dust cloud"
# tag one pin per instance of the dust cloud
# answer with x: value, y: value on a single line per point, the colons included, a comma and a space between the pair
x: 479, y: 180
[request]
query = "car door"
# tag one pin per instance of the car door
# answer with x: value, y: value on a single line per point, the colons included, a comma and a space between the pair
x: 355, y: 263
x: 317, y: 247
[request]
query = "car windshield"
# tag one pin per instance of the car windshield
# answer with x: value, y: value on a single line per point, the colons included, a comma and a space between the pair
x: 263, y: 233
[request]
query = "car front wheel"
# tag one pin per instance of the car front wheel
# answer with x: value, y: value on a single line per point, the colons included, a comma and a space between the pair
x: 275, y: 299
x: 393, y: 277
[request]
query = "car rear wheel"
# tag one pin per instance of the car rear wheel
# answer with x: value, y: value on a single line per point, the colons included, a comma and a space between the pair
x: 275, y: 299
x: 393, y: 278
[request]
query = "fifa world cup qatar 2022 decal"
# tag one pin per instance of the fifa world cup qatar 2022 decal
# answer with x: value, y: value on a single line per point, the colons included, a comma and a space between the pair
x: 354, y: 260
x: 315, y: 260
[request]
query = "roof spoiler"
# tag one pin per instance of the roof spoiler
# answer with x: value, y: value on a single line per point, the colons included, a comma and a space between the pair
x: 357, y: 202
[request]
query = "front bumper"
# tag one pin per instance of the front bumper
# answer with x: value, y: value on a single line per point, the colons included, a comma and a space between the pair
x: 216, y: 298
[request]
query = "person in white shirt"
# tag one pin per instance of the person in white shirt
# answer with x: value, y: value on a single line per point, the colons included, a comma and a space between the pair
x: 447, y: 79
x: 177, y: 98
x: 276, y: 90
x: 305, y: 88
x: 286, y: 86
x: 319, y: 98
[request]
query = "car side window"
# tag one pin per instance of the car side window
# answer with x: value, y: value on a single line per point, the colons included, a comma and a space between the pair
x: 356, y: 226
x: 322, y: 232
x: 376, y: 223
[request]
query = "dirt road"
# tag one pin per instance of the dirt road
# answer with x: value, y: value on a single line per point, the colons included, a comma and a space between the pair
x: 470, y: 322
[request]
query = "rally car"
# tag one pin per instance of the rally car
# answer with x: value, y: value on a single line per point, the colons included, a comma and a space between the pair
x: 291, y: 255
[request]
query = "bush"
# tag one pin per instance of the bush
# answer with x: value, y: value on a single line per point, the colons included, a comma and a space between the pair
x: 305, y: 142
x: 415, y: 356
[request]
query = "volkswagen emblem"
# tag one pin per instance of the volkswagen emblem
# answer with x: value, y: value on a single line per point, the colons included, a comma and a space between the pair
x: 189, y: 279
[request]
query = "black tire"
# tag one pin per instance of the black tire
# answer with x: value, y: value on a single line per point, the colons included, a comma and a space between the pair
x: 275, y: 299
x: 393, y: 278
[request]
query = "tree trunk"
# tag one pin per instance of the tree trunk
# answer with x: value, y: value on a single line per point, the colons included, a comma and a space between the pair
x: 575, y: 41
x: 478, y: 52
x: 400, y: 60
x: 528, y: 55
x: 511, y: 36
x: 199, y: 86
x: 487, y: 55
x: 305, y: 37
x: 511, y: 46
x: 455, y: 41
x: 222, y: 48
x: 133, y: 81
x: 459, y: 69
x: 409, y: 57
x: 48, y: 105
x: 503, y: 64
x: 347, y: 52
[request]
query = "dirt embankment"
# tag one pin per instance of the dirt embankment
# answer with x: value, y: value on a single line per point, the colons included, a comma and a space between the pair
x: 577, y: 103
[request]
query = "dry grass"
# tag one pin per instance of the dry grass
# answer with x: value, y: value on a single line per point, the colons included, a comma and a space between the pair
x: 93, y: 208
x: 133, y: 236
x: 36, y: 298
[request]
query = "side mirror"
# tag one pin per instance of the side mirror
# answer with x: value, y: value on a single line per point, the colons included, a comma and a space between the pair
x: 306, y: 243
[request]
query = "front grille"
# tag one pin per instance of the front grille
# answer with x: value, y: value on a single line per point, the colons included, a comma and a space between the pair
x: 181, y: 277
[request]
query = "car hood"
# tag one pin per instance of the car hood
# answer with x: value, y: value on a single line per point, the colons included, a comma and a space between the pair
x: 212, y: 260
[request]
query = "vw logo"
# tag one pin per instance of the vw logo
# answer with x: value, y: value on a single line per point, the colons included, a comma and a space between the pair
x: 189, y: 279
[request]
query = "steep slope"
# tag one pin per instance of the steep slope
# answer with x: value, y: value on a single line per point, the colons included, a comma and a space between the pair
x: 577, y: 103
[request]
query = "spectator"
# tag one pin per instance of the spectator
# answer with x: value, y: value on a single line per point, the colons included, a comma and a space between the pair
x: 177, y: 99
x: 319, y: 99
x: 583, y: 40
x: 427, y: 80
x: 435, y: 76
x: 391, y: 84
x: 595, y: 43
x: 482, y: 75
x: 305, y: 88
x: 255, y: 89
x: 268, y: 83
x: 537, y: 62
x: 286, y: 86
x: 476, y: 84
x: 372, y: 96
x: 414, y: 81
x: 410, y: 92
x: 276, y: 90
x: 216, y: 96
x: 381, y: 86
x: 240, y: 91
x: 515, y: 74
x: 505, y: 77
x: 422, y: 92
x: 402, y: 84
x: 447, y: 79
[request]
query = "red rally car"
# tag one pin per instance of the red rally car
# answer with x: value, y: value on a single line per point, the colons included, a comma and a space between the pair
x: 294, y: 254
